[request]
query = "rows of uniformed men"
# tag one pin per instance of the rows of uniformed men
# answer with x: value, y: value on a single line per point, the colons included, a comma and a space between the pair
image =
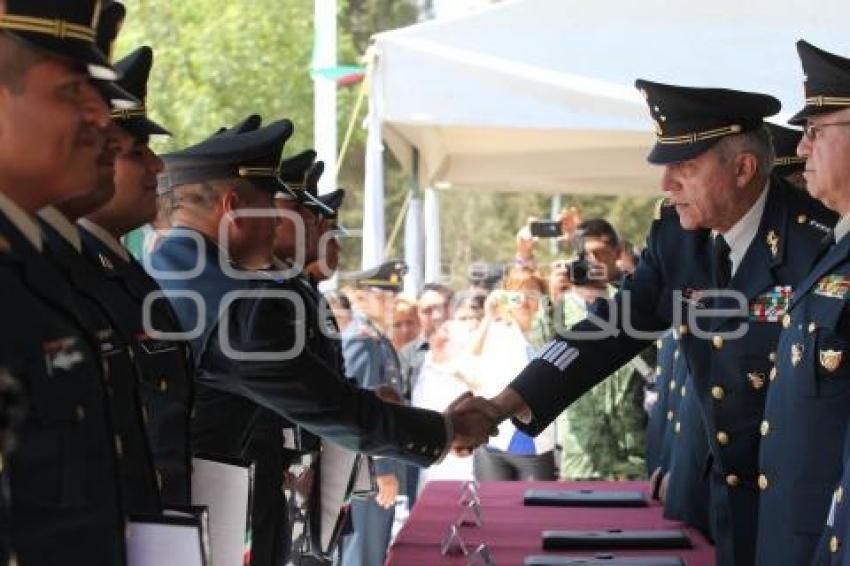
x: 774, y: 400
x: 114, y: 405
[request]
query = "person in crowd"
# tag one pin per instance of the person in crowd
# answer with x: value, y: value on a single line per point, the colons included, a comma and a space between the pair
x: 501, y: 348
x: 804, y: 428
x: 602, y: 435
x: 434, y: 301
x: 724, y: 205
x: 405, y: 323
x: 446, y: 372
x: 371, y: 359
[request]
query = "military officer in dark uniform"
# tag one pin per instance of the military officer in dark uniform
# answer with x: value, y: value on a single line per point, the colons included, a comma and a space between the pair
x: 163, y: 365
x: 96, y: 297
x: 805, y: 421
x: 65, y: 492
x: 787, y: 164
x: 249, y: 352
x: 686, y: 493
x: 729, y: 226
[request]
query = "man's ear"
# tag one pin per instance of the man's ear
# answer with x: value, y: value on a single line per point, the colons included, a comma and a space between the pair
x: 746, y: 168
x: 230, y: 201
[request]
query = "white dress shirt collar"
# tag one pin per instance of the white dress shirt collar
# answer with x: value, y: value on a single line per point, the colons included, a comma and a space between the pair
x: 741, y: 234
x: 105, y: 237
x: 62, y: 225
x: 842, y: 228
x: 22, y: 220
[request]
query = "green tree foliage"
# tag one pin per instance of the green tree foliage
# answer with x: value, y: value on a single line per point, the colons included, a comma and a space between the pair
x: 216, y: 61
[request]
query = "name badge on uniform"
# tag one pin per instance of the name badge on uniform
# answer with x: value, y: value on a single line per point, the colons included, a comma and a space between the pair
x: 833, y: 286
x: 771, y: 305
x: 62, y: 354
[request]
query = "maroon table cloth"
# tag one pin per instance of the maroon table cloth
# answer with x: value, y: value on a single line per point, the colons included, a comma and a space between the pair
x: 512, y: 530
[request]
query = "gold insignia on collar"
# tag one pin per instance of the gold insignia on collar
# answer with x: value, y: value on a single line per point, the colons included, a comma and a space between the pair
x: 796, y: 354
x: 105, y: 262
x: 756, y: 379
x: 773, y: 242
x: 658, y: 130
x: 831, y: 359
x: 5, y: 245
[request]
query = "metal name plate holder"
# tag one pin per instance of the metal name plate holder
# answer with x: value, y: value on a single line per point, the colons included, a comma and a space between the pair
x: 469, y: 492
x: 453, y: 545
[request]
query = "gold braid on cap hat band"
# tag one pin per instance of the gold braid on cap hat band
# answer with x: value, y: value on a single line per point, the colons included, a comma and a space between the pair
x: 128, y: 113
x: 694, y: 137
x: 55, y: 28
x: 789, y: 160
x: 827, y: 101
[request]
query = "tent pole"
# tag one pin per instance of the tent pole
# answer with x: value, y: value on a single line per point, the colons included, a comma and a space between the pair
x: 413, y: 233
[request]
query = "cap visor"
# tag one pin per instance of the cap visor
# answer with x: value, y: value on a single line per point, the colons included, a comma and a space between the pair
x: 664, y: 154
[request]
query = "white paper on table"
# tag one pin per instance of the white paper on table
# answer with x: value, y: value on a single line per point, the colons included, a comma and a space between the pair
x: 165, y: 540
x: 226, y: 487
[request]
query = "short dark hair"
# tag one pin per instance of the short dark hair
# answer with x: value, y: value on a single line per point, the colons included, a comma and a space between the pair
x: 596, y: 228
x: 438, y: 288
x: 16, y: 59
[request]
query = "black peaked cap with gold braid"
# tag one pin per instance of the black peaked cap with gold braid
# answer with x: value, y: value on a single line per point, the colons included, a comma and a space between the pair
x: 109, y: 24
x: 785, y: 142
x: 67, y: 28
x: 827, y: 82
x: 690, y: 120
x: 135, y: 69
x: 252, y: 155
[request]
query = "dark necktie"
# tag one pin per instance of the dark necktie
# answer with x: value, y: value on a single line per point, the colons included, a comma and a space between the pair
x: 722, y: 262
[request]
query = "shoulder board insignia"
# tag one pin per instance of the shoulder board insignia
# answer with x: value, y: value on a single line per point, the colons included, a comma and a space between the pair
x: 659, y: 206
x: 833, y: 286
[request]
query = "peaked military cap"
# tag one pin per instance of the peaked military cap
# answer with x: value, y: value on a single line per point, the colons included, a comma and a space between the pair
x: 333, y: 200
x: 135, y: 69
x: 827, y: 82
x: 690, y: 120
x: 251, y: 155
x: 67, y: 28
x: 248, y: 124
x: 297, y: 173
x: 111, y: 18
x: 785, y: 142
x: 389, y: 275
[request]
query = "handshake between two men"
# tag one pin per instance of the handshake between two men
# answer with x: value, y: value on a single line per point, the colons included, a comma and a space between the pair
x: 475, y: 419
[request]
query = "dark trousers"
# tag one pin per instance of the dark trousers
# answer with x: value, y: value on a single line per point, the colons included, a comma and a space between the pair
x: 495, y: 465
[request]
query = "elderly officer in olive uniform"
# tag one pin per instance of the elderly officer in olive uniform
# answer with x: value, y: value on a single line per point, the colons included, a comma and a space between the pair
x: 805, y: 422
x: 249, y: 341
x: 64, y: 247
x: 371, y: 359
x: 729, y: 226
x: 66, y: 499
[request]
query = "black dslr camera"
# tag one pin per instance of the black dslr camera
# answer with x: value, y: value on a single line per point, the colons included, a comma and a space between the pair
x: 579, y: 270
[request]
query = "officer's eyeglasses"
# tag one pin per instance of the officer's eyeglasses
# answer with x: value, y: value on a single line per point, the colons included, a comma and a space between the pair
x: 811, y: 131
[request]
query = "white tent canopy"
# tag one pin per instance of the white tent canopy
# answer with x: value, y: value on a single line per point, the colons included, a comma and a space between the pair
x: 538, y: 94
